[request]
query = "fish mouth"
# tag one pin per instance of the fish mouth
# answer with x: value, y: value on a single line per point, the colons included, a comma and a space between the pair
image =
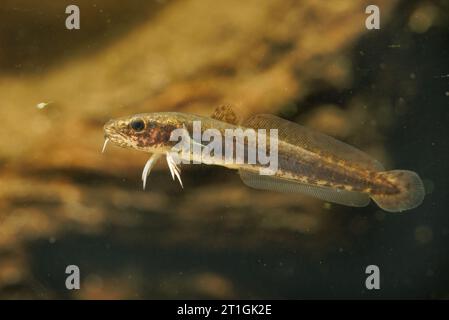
x: 108, y: 129
x: 110, y: 134
x: 114, y: 135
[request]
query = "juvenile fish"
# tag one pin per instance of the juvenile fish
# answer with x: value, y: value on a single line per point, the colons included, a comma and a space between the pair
x: 308, y: 162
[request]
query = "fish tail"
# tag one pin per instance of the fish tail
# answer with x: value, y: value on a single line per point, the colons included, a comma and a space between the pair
x: 410, y: 191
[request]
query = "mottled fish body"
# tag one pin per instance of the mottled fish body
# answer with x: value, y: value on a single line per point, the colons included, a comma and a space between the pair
x: 308, y: 162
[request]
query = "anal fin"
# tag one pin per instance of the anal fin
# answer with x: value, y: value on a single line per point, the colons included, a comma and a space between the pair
x: 264, y: 182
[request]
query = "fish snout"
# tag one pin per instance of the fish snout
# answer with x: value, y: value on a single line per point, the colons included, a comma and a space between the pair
x: 108, y: 128
x: 114, y: 131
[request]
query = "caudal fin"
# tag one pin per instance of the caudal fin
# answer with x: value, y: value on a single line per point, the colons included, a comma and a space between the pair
x: 411, y: 191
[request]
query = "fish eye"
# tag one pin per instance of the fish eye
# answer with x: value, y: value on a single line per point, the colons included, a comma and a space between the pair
x: 137, y: 125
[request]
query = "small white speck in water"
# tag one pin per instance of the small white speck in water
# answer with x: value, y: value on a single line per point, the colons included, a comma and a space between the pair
x: 42, y: 105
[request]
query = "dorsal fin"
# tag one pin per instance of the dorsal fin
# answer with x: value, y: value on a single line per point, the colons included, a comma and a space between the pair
x: 316, y: 142
x: 225, y: 113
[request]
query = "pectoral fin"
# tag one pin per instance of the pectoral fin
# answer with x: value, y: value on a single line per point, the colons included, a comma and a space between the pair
x: 148, y: 166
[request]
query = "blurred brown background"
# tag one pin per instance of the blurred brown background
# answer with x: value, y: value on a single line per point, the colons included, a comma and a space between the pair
x: 63, y: 202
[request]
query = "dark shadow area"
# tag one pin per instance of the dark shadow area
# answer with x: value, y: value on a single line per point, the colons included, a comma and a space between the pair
x: 274, y: 272
x: 35, y: 39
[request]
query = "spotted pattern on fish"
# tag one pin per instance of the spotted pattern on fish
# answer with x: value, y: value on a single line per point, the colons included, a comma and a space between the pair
x: 304, y: 156
x: 153, y: 136
x: 328, y: 172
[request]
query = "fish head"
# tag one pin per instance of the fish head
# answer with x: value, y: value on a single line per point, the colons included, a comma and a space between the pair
x: 149, y: 132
